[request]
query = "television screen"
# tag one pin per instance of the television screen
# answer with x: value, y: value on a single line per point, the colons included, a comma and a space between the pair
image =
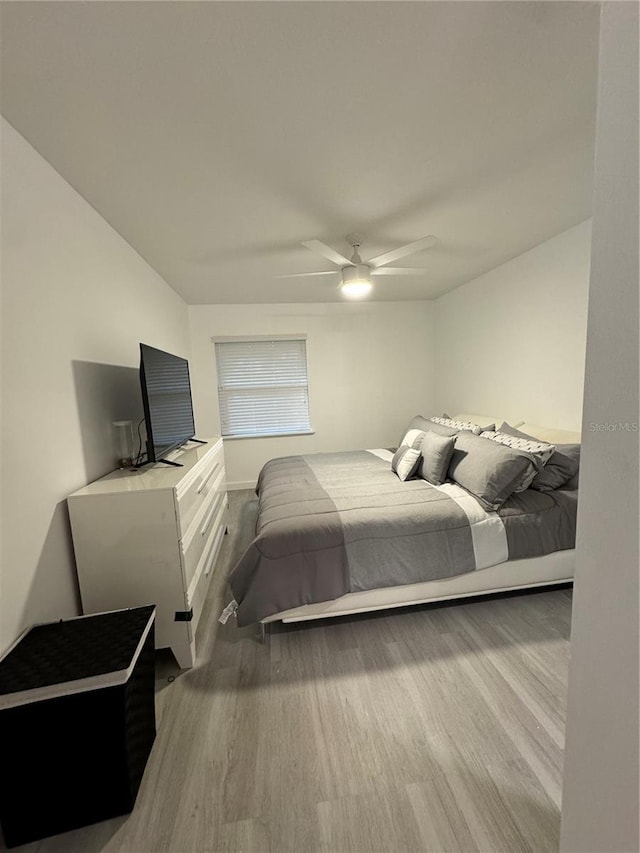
x: 166, y: 397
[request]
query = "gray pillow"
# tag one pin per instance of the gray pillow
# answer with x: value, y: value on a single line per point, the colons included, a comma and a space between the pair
x: 572, y: 483
x: 440, y: 429
x: 424, y: 424
x: 561, y: 469
x: 436, y: 453
x: 538, y: 451
x: 490, y: 471
x: 405, y: 462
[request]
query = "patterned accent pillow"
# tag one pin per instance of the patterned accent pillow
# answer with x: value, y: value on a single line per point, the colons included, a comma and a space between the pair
x: 476, y: 429
x: 406, y: 461
x: 540, y: 452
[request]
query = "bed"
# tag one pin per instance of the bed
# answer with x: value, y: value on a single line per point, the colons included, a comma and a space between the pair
x: 341, y: 533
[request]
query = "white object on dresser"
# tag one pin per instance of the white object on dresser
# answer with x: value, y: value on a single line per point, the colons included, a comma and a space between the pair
x: 152, y: 536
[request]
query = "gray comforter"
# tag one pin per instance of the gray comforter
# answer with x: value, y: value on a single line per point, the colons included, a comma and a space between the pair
x: 333, y: 523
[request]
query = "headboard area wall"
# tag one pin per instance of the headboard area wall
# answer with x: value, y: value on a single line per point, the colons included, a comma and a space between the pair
x: 513, y: 340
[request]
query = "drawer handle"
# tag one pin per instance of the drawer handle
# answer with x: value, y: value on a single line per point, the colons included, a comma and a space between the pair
x: 208, y: 477
x: 209, y: 518
x: 214, y: 552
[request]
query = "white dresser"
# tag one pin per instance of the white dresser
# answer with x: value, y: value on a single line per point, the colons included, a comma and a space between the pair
x: 152, y: 536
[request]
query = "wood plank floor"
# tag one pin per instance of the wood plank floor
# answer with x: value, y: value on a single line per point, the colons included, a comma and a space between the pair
x: 433, y: 728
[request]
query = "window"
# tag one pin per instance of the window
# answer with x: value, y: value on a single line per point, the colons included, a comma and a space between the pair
x: 262, y: 386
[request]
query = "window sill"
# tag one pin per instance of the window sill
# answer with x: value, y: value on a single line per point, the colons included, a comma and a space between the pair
x: 268, y: 435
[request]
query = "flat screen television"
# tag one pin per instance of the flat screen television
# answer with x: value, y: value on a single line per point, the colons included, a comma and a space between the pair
x: 166, y: 398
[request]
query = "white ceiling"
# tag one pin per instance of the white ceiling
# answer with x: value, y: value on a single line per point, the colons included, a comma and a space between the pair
x: 216, y: 136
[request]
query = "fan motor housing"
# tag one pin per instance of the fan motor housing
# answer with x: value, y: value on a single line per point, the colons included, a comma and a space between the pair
x: 357, y: 272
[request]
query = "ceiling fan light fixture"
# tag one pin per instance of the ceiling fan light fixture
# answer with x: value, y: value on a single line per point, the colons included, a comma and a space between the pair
x: 356, y: 289
x: 356, y: 281
x: 355, y: 273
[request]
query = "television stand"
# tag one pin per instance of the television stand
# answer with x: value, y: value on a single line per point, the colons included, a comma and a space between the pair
x: 182, y: 447
x: 140, y: 465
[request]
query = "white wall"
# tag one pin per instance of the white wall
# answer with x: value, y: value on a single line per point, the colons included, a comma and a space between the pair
x: 600, y: 801
x: 513, y: 340
x: 76, y: 300
x: 370, y: 371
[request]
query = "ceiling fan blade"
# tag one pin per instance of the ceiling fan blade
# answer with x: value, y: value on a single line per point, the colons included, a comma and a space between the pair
x: 300, y: 274
x: 326, y: 252
x: 403, y: 251
x: 398, y: 271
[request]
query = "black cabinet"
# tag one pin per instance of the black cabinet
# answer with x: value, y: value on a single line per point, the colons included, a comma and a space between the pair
x: 77, y: 722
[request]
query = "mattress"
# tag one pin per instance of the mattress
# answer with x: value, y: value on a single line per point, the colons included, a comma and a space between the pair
x: 334, y: 523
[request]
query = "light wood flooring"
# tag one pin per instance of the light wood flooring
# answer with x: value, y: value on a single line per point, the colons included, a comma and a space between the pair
x: 433, y: 728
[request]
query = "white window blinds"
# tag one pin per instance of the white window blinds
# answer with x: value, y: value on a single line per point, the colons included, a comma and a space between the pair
x: 262, y: 387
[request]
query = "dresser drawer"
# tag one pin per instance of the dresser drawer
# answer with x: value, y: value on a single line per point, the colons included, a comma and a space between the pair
x: 197, y: 592
x: 195, y: 491
x: 203, y: 524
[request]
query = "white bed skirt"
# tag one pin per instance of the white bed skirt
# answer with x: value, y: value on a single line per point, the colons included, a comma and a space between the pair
x: 551, y: 569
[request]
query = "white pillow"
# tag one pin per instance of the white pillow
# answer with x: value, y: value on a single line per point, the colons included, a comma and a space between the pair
x: 553, y: 436
x: 482, y: 420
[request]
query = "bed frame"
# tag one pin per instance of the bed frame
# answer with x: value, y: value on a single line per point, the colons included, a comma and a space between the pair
x: 551, y: 570
x: 548, y: 571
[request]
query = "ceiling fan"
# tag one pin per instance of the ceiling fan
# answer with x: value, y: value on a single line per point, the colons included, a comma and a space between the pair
x: 356, y: 274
